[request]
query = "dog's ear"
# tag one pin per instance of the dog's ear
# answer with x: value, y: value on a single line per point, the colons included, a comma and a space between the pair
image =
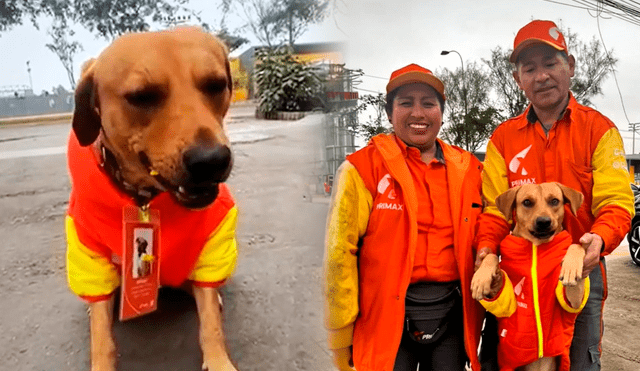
x: 506, y: 202
x: 571, y: 197
x: 86, y: 120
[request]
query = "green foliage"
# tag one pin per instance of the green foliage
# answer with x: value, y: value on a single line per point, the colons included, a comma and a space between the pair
x: 285, y: 84
x: 469, y: 117
x: 470, y: 131
x: 376, y: 123
x: 107, y: 18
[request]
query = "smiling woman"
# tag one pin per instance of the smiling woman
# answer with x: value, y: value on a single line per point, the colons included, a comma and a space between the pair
x: 396, y: 206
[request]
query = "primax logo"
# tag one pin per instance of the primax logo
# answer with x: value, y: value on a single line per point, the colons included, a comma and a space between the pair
x: 515, y: 165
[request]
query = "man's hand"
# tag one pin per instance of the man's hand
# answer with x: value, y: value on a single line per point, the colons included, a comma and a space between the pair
x: 480, y: 255
x: 343, y: 359
x: 593, y: 246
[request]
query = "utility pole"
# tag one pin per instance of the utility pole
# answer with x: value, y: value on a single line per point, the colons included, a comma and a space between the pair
x: 30, y: 81
x: 464, y: 88
x: 632, y: 126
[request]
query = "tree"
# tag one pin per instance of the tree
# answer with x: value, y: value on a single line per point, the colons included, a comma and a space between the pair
x: 469, y: 115
x: 262, y: 20
x: 297, y: 15
x: 376, y: 123
x: 285, y: 84
x: 510, y: 99
x: 593, y: 66
x: 107, y: 18
x: 63, y: 48
x: 274, y: 22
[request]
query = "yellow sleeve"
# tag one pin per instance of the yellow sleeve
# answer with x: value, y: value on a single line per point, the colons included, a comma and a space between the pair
x: 612, y: 198
x: 349, y: 211
x: 90, y: 275
x: 494, y: 179
x: 218, y: 258
x: 610, y: 174
x: 504, y: 304
x: 562, y: 298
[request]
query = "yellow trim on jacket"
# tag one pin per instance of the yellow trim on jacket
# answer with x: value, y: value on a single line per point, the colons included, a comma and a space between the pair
x: 92, y: 275
x: 562, y: 298
x: 504, y: 303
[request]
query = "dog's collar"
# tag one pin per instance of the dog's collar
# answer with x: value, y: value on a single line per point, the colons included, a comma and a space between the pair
x: 109, y: 163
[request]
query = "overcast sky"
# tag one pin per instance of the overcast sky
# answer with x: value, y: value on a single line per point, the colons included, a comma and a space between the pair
x: 386, y: 35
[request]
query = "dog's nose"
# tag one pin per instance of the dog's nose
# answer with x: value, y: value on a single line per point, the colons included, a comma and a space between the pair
x: 543, y: 223
x: 207, y: 163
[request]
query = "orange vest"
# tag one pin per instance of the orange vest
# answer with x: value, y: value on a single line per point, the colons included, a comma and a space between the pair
x: 386, y: 256
x: 519, y: 333
x: 96, y: 205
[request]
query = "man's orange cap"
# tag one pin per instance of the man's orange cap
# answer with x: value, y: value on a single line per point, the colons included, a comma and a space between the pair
x: 414, y: 74
x: 537, y: 32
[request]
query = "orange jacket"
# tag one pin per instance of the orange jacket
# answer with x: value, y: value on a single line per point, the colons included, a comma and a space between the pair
x: 95, y: 211
x: 534, y: 318
x: 371, y: 242
x: 583, y: 151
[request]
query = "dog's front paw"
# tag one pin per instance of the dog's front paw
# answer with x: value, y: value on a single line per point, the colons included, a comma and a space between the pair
x: 571, y: 271
x: 483, y: 278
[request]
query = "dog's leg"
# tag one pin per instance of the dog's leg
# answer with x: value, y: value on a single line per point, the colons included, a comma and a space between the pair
x: 211, y: 331
x: 484, y: 278
x: 571, y: 271
x: 575, y: 294
x: 103, y: 347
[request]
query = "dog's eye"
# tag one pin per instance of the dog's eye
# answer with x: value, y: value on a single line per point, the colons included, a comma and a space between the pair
x: 554, y: 202
x: 144, y: 98
x: 527, y: 203
x: 213, y: 87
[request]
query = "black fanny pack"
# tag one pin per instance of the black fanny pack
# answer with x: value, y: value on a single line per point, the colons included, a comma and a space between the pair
x: 428, y: 308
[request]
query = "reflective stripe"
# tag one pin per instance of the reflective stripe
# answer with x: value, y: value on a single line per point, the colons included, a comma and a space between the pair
x: 536, y: 302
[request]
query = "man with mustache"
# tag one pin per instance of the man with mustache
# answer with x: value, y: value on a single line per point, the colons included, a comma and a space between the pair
x: 557, y: 139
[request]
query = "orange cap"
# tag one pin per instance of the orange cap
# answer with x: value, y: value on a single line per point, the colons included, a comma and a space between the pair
x: 536, y: 32
x: 414, y: 74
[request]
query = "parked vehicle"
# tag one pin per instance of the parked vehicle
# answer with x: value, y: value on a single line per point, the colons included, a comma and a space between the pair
x: 634, y: 234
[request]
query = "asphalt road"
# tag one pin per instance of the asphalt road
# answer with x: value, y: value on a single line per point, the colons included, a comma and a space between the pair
x: 273, y: 311
x: 273, y: 308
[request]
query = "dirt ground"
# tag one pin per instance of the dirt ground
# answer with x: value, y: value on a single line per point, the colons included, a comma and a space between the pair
x: 273, y: 308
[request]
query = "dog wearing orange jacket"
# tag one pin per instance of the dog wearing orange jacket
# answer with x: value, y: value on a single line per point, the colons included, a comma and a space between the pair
x: 148, y: 131
x: 539, y: 291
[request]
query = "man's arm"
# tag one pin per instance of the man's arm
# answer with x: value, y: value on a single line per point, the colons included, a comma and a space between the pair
x: 347, y: 221
x: 612, y: 198
x: 492, y: 225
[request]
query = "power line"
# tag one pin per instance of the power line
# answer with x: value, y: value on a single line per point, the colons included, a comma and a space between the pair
x: 368, y: 91
x: 376, y: 77
x: 624, y: 109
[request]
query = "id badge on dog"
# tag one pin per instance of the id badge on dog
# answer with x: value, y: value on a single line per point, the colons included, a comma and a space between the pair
x: 140, y: 262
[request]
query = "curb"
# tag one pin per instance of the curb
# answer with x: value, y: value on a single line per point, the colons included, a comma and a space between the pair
x: 31, y: 119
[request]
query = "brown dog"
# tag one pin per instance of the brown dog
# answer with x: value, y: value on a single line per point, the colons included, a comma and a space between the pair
x: 539, y: 212
x: 152, y: 107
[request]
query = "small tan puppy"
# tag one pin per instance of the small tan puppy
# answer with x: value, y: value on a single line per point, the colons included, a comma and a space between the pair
x: 539, y: 212
x: 151, y: 107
